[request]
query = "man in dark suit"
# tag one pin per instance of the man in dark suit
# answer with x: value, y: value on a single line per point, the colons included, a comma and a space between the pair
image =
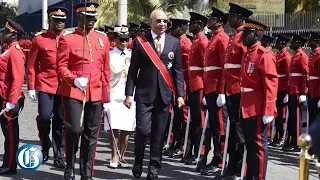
x: 154, y: 55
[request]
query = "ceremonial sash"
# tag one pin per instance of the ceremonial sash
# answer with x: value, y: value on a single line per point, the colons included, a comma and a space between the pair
x: 155, y: 59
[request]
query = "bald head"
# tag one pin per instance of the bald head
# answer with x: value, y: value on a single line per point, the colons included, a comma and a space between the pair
x: 158, y: 21
x: 156, y: 14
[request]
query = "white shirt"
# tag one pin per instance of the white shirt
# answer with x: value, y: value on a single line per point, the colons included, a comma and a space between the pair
x: 119, y: 66
x: 163, y: 36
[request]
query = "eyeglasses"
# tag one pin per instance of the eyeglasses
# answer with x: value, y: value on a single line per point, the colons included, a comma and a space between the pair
x: 59, y: 20
x: 162, y: 20
x: 124, y: 39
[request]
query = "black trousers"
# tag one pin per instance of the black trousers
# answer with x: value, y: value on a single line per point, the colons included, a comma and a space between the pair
x: 89, y: 133
x: 197, y: 119
x: 256, y: 138
x: 281, y: 118
x: 313, y: 109
x: 294, y: 120
x: 50, y: 106
x: 179, y: 127
x: 151, y: 119
x: 10, y: 130
x: 218, y: 118
x: 236, y: 139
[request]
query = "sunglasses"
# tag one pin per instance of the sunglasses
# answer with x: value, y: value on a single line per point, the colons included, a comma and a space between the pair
x: 124, y: 39
x: 59, y: 20
x: 162, y: 20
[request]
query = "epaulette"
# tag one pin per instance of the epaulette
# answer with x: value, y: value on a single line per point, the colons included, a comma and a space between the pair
x: 101, y: 32
x: 67, y: 33
x: 41, y: 32
x: 17, y: 46
x: 264, y: 50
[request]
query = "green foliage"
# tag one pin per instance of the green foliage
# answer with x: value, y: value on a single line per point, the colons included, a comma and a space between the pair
x: 7, y: 11
x: 302, y: 5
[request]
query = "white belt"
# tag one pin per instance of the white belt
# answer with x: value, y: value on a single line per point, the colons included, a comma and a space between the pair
x: 211, y: 68
x: 195, y: 68
x: 281, y: 75
x: 313, y: 77
x: 230, y: 66
x: 243, y: 89
x: 295, y: 74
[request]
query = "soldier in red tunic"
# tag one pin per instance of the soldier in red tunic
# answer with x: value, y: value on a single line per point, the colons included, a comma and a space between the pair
x: 283, y: 62
x: 43, y: 83
x: 143, y: 29
x: 84, y: 87
x: 195, y: 74
x: 11, y: 95
x: 298, y: 75
x: 266, y: 41
x: 109, y: 30
x: 133, y: 28
x: 231, y: 81
x: 314, y: 77
x: 259, y: 86
x: 178, y: 29
x: 213, y: 68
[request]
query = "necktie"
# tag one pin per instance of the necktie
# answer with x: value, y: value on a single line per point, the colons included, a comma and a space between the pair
x: 122, y: 54
x: 158, y: 45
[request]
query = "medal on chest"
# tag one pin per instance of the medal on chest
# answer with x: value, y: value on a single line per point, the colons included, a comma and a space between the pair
x: 101, y: 42
x: 250, y: 68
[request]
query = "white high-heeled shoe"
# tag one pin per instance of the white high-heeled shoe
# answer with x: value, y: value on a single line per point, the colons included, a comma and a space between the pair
x: 113, y: 165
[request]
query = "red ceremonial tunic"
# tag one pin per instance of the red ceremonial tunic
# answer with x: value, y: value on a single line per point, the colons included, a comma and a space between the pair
x: 196, y: 60
x: 96, y: 65
x: 314, y: 73
x: 259, y: 82
x: 214, y: 62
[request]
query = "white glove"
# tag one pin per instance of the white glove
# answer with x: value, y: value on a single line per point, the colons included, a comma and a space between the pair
x: 204, y: 102
x: 33, y: 94
x: 221, y: 100
x: 267, y: 119
x: 9, y: 106
x: 319, y: 104
x: 106, y: 106
x: 81, y: 82
x: 302, y: 98
x: 286, y: 98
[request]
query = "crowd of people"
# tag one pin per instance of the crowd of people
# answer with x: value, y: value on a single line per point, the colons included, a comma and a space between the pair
x: 161, y: 83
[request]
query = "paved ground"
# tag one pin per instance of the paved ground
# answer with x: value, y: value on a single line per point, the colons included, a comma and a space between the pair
x: 281, y: 166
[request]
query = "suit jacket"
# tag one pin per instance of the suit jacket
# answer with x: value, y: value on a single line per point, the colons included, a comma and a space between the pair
x: 146, y: 78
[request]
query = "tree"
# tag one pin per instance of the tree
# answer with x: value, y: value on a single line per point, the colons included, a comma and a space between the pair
x: 301, y: 5
x: 7, y: 11
x: 139, y: 10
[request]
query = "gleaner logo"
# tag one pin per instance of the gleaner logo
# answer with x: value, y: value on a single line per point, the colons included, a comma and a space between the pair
x: 29, y: 157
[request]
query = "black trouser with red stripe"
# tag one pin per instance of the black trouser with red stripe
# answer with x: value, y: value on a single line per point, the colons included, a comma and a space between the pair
x: 313, y: 109
x: 256, y: 138
x: 280, y: 119
x: 89, y: 133
x: 50, y: 106
x: 196, y: 113
x: 236, y: 139
x: 294, y: 120
x: 179, y: 126
x: 10, y: 130
x: 218, y: 118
